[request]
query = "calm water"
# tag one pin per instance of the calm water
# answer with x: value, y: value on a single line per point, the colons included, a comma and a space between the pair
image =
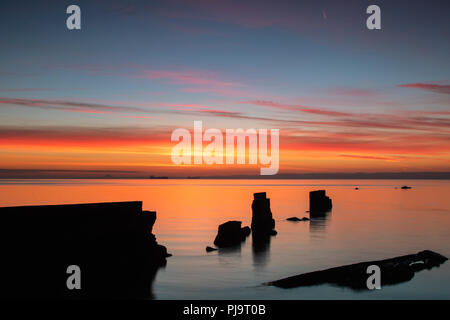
x: 375, y: 222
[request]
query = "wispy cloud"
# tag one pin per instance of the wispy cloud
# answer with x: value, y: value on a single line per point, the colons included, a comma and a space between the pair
x: 25, y: 89
x: 69, y: 106
x: 82, y: 136
x: 298, y: 108
x: 156, y: 108
x: 433, y: 87
x: 358, y: 156
x: 379, y: 146
x: 196, y: 81
x: 353, y: 92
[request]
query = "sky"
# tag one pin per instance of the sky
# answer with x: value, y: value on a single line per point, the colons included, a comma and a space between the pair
x: 105, y: 99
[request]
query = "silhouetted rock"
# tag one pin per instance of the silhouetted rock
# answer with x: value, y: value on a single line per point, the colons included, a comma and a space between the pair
x: 356, y: 188
x: 406, y: 187
x: 209, y: 249
x: 111, y: 243
x: 230, y: 233
x: 319, y: 202
x: 295, y: 219
x: 246, y: 231
x: 393, y: 271
x: 262, y: 220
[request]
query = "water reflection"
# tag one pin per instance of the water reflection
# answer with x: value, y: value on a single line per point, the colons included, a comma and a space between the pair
x: 260, y: 251
x: 318, y: 225
x: 225, y: 254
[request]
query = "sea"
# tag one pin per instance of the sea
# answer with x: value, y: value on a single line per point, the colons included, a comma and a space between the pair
x: 376, y: 221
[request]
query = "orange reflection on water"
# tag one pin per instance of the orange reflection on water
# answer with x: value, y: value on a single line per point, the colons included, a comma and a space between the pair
x: 201, y: 204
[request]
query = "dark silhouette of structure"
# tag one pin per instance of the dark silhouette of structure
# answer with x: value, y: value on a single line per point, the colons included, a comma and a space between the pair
x: 230, y: 234
x: 354, y: 276
x: 319, y: 203
x: 111, y: 243
x: 297, y: 219
x: 263, y: 223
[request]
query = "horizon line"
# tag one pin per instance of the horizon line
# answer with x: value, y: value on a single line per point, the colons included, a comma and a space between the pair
x: 122, y: 174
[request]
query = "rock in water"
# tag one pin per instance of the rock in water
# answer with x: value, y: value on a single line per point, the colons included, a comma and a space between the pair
x: 319, y: 202
x: 262, y: 221
x: 354, y: 276
x: 230, y: 233
x: 111, y: 243
x: 209, y: 249
x: 246, y: 231
x: 295, y: 219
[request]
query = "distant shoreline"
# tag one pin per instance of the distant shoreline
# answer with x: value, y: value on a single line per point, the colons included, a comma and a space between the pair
x: 27, y: 174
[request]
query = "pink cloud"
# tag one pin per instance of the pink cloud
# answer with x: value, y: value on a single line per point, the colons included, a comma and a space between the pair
x: 139, y: 117
x: 198, y: 81
x: 298, y: 108
x: 190, y: 78
x: 69, y: 106
x: 433, y: 87
x: 353, y: 92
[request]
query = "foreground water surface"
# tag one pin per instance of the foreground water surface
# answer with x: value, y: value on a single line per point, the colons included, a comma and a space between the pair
x: 378, y: 221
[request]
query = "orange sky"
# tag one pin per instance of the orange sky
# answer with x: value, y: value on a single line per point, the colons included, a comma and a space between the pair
x: 149, y: 152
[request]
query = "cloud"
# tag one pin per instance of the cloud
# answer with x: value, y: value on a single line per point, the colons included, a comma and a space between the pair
x: 433, y: 87
x: 69, y: 106
x: 358, y: 156
x: 428, y: 120
x: 25, y: 89
x: 190, y: 109
x: 353, y: 92
x: 407, y: 120
x: 139, y: 117
x: 192, y: 81
x: 82, y: 136
x: 377, y: 146
x: 190, y: 77
x: 196, y: 81
x: 97, y: 108
x: 298, y: 108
